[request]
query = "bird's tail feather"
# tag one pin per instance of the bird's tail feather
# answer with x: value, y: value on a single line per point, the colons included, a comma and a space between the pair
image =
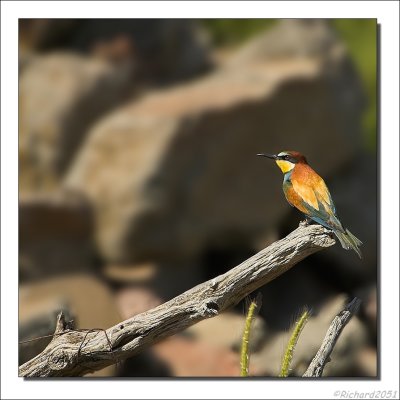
x: 349, y: 241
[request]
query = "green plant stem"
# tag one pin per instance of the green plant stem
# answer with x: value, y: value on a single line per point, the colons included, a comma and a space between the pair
x: 288, y: 355
x: 244, y: 353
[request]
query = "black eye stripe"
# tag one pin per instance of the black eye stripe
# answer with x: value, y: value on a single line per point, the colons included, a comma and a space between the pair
x: 288, y: 157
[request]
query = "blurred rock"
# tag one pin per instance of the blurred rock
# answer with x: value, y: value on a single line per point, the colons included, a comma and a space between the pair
x: 193, y: 358
x: 145, y: 364
x: 369, y: 308
x: 343, y: 358
x: 130, y: 274
x: 226, y: 330
x: 167, y: 50
x: 291, y: 38
x: 116, y: 50
x: 164, y: 50
x: 45, y: 34
x: 161, y: 281
x: 175, y: 171
x: 60, y: 96
x: 174, y: 277
x: 367, y: 362
x: 55, y: 236
x: 87, y: 299
x: 135, y: 300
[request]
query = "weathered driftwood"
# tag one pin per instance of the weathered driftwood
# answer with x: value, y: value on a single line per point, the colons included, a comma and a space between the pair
x: 74, y: 353
x: 317, y: 365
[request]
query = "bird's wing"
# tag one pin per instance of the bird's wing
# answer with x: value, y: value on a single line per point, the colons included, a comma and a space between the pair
x: 324, y: 197
x: 315, y: 194
x: 316, y: 202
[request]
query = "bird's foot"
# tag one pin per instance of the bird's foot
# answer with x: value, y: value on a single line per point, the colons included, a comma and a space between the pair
x: 305, y: 223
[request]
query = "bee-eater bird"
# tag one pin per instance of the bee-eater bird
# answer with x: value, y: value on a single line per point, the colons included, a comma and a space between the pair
x: 306, y: 190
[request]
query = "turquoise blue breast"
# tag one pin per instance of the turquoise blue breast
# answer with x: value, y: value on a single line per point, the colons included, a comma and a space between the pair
x: 287, y: 176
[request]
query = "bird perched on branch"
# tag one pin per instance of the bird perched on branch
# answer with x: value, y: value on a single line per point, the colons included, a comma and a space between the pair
x: 306, y: 190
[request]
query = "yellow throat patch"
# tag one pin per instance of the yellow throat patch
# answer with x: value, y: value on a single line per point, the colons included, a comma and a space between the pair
x: 285, y: 166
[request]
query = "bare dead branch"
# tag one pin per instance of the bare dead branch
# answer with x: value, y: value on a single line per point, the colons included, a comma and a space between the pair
x: 316, y: 368
x: 77, y: 353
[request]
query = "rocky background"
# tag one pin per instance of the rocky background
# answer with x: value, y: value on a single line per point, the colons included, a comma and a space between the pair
x: 138, y: 180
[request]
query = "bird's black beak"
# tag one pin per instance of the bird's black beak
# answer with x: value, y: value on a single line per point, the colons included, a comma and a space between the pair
x: 272, y: 156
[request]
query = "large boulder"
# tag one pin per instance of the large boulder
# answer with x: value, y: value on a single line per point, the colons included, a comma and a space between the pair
x: 164, y: 50
x: 290, y: 38
x: 60, y: 96
x: 55, y: 236
x: 176, y: 171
